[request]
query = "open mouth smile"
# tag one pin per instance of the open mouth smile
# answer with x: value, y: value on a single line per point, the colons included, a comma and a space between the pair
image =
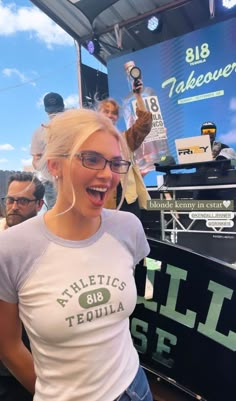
x: 97, y: 194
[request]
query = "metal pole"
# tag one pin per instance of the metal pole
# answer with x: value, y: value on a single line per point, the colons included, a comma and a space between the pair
x: 79, y: 73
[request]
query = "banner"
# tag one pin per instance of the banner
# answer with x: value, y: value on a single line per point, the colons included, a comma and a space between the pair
x: 187, y: 331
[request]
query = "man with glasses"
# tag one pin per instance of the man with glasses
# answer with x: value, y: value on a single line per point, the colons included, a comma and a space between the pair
x: 24, y: 200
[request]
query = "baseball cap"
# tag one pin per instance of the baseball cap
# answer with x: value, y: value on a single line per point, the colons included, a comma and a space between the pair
x: 167, y: 160
x: 53, y: 103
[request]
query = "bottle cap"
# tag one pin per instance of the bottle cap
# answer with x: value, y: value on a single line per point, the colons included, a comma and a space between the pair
x: 129, y: 65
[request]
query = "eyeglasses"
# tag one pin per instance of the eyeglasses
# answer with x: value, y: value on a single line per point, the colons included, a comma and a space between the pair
x: 206, y: 131
x: 9, y: 200
x: 95, y: 161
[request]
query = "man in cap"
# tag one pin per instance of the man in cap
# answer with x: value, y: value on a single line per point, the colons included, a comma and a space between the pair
x: 53, y: 104
x: 219, y: 149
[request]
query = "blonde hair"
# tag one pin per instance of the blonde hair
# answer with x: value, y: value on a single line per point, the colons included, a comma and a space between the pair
x: 67, y: 131
x: 109, y: 100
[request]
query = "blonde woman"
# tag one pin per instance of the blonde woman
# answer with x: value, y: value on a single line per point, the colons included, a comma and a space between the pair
x: 69, y: 274
x: 136, y: 194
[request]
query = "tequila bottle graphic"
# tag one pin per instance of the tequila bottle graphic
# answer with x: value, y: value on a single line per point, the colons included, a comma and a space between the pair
x: 155, y: 144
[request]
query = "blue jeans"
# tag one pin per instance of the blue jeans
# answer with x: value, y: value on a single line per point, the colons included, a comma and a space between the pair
x: 138, y: 390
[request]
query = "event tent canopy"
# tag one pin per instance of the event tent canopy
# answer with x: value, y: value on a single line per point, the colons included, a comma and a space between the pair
x: 111, y: 20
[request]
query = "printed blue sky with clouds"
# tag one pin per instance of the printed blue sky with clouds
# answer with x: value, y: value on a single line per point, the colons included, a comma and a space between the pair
x: 37, y: 57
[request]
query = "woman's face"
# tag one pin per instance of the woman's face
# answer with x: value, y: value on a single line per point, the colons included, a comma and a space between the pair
x: 92, y: 187
x: 110, y: 111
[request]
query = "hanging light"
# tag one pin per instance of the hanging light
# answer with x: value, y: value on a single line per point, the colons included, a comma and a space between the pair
x: 153, y: 24
x: 212, y: 8
x: 93, y: 46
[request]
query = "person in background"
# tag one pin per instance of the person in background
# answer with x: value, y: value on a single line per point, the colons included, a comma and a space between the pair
x: 53, y: 104
x: 219, y: 149
x: 2, y: 218
x: 23, y: 200
x: 136, y: 194
x: 84, y: 350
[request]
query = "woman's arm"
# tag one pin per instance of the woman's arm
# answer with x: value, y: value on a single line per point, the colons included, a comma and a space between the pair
x: 136, y: 134
x: 13, y: 352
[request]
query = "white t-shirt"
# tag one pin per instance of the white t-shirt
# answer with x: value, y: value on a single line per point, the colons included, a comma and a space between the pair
x: 2, y: 223
x: 38, y: 143
x: 75, y: 299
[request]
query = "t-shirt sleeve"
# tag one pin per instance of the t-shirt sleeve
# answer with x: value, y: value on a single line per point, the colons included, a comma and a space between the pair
x: 38, y: 141
x: 128, y: 230
x: 142, y: 246
x: 8, y: 273
x: 20, y: 247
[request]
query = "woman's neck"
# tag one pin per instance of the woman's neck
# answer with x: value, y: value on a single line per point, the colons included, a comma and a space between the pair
x: 70, y: 226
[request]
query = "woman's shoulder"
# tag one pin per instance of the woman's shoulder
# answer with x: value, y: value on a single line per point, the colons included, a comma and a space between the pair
x: 21, y: 246
x: 126, y: 229
x: 120, y: 218
x: 21, y: 235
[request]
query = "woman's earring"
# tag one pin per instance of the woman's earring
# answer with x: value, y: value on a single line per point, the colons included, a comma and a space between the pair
x: 56, y: 177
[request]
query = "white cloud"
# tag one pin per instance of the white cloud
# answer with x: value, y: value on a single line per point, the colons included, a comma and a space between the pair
x: 40, y: 101
x: 3, y: 160
x: 15, y: 19
x: 72, y: 101
x: 9, y: 72
x: 26, y: 162
x: 232, y: 104
x: 6, y: 146
x: 25, y: 148
x: 229, y: 138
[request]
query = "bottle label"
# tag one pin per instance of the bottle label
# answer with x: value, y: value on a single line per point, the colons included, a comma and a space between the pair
x: 158, y: 130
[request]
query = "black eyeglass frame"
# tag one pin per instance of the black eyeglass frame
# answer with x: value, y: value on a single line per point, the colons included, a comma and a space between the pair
x: 82, y: 155
x: 19, y: 200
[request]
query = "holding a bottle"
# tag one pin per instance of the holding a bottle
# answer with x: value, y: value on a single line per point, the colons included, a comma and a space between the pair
x: 136, y: 194
x: 155, y: 144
